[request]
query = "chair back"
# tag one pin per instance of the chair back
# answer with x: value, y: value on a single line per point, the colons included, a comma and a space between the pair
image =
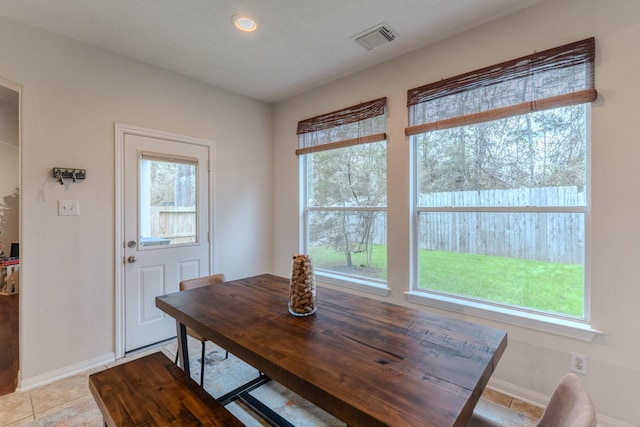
x: 569, y: 406
x: 202, y: 281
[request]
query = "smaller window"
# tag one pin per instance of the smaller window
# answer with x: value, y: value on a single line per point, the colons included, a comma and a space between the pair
x: 343, y: 159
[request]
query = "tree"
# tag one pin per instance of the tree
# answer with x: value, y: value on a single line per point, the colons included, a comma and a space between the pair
x: 539, y: 149
x: 351, y: 177
x: 173, y: 184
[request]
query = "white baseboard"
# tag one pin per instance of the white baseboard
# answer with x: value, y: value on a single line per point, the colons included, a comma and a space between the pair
x: 67, y: 371
x: 520, y: 393
x: 541, y: 400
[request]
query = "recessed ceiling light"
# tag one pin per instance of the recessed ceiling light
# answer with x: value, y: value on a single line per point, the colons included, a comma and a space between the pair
x: 244, y: 23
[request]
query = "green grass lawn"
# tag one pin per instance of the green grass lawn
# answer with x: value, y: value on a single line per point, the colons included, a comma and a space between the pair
x: 545, y: 286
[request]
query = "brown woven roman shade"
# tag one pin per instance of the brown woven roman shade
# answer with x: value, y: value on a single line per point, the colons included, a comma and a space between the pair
x: 553, y: 78
x: 349, y: 126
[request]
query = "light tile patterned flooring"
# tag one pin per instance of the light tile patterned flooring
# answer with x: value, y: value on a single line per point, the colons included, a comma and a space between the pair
x: 69, y: 402
x: 507, y: 410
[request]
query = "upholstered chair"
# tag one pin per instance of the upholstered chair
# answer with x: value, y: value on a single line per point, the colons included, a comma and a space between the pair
x: 569, y: 406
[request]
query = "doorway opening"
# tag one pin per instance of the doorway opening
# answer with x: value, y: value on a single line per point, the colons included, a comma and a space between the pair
x: 10, y: 98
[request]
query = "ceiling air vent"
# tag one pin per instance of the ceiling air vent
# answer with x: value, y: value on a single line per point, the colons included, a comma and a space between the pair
x: 376, y: 36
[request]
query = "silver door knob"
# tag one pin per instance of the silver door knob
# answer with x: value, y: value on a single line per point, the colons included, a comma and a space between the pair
x: 132, y: 259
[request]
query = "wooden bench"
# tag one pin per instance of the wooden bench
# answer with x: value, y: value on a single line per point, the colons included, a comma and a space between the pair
x: 153, y: 391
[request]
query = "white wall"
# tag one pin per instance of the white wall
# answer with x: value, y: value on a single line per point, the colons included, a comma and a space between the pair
x: 534, y: 361
x: 72, y: 95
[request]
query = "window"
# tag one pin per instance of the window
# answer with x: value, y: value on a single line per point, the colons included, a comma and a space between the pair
x: 167, y: 200
x: 501, y: 183
x: 343, y: 163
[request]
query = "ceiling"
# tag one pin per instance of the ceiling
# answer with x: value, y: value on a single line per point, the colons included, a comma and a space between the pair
x: 299, y: 44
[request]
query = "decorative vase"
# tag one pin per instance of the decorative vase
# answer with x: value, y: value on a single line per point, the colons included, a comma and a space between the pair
x: 302, y: 286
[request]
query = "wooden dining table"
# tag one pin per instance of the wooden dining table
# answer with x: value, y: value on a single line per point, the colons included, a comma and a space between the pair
x: 366, y: 362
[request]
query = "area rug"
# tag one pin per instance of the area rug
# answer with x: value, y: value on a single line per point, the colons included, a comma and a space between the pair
x: 224, y: 375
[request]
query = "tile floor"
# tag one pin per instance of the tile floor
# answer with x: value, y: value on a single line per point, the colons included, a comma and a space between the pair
x: 69, y: 402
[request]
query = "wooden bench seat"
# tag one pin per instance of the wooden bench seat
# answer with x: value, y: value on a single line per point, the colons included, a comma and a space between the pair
x: 153, y: 391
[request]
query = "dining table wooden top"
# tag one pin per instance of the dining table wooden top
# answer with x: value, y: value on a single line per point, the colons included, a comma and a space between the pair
x: 365, y: 361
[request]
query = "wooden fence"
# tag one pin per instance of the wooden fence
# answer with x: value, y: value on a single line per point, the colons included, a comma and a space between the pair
x: 546, y: 236
x: 177, y: 224
x: 555, y: 236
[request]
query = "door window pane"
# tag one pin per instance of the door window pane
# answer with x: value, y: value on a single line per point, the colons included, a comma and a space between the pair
x: 168, y: 209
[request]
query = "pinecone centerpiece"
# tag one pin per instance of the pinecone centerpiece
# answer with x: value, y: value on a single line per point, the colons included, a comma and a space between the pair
x: 302, y: 287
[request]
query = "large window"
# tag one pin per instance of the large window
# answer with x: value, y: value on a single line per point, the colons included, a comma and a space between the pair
x: 501, y: 161
x: 343, y: 158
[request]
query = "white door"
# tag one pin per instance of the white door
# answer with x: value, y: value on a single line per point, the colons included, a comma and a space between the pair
x: 166, y: 229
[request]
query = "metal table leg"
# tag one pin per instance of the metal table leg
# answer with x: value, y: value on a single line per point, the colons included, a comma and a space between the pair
x: 183, y: 349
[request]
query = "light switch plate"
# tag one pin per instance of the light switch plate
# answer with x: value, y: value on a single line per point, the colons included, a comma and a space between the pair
x: 68, y: 207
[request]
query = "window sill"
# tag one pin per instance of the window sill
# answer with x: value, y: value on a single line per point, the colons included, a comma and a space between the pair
x: 564, y: 327
x: 376, y: 288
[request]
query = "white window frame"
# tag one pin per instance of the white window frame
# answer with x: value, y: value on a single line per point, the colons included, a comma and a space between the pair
x: 369, y: 285
x: 365, y: 284
x: 529, y: 318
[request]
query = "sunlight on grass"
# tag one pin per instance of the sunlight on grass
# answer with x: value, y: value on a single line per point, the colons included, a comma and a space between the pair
x: 545, y: 286
x: 330, y: 259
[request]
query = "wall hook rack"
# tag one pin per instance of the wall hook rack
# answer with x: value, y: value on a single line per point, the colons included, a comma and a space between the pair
x: 70, y: 173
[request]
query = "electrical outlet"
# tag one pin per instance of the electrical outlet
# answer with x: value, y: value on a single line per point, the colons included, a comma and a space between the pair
x: 579, y: 363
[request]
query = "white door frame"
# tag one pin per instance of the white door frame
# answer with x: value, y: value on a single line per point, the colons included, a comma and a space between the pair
x: 119, y: 266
